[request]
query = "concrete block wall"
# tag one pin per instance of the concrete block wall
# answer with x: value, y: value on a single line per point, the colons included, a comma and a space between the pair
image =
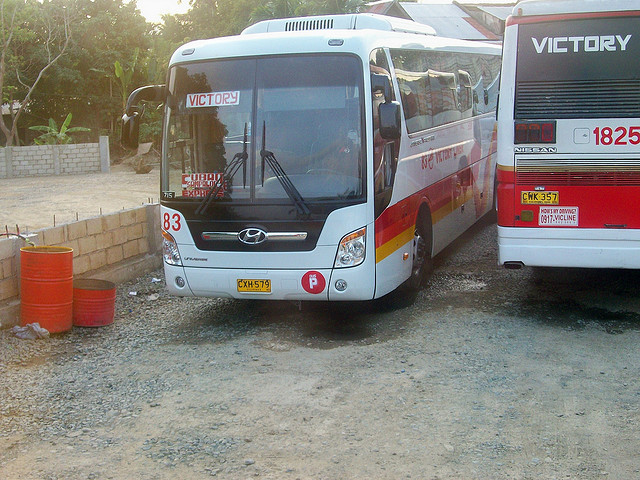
x: 40, y: 160
x: 9, y: 285
x: 36, y: 160
x: 79, y: 158
x: 115, y: 247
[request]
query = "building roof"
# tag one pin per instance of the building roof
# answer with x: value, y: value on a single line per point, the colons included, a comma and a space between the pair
x: 498, y: 11
x: 467, y: 21
x: 448, y: 20
x: 387, y: 7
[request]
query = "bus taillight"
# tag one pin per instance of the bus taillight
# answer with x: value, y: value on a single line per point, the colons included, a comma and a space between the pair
x: 535, y: 132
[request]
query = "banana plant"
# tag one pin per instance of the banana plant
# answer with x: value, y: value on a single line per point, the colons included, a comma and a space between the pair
x: 125, y: 76
x: 54, y: 136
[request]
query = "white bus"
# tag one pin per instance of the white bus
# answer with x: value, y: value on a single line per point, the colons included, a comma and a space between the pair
x: 569, y: 135
x: 320, y: 158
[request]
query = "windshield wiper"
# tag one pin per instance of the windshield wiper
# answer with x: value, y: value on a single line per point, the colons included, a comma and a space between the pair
x: 287, y: 185
x: 238, y: 160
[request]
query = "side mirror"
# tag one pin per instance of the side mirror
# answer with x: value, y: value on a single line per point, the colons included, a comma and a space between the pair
x: 389, y: 114
x: 133, y: 112
x: 130, y: 130
x: 149, y: 93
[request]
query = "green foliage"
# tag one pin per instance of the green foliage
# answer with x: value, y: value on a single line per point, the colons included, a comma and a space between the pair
x: 293, y: 8
x: 278, y: 9
x: 125, y: 76
x: 54, y: 136
x: 84, y: 81
x: 33, y: 36
x: 151, y: 126
x: 113, y: 50
x: 209, y: 18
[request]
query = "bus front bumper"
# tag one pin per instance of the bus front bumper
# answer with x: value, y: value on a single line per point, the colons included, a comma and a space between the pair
x: 315, y: 285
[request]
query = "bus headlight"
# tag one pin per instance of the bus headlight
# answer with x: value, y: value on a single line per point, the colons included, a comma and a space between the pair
x: 351, y: 249
x: 170, y: 250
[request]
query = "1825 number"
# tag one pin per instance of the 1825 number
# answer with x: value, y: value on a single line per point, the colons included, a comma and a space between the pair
x: 617, y: 136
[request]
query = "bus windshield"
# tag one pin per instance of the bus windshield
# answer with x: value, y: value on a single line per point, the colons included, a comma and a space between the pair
x: 305, y: 111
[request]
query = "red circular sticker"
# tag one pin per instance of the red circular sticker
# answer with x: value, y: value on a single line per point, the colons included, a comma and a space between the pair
x: 313, y: 282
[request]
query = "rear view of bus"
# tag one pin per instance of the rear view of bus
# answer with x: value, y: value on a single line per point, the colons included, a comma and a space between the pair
x: 569, y: 135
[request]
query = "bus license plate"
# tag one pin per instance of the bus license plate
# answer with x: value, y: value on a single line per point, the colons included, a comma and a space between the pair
x: 253, y: 285
x: 539, y: 198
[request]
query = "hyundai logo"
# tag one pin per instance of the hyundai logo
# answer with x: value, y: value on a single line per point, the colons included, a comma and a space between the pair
x: 252, y: 236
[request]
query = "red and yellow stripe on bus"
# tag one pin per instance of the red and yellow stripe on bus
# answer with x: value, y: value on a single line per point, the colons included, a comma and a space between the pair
x: 396, y: 226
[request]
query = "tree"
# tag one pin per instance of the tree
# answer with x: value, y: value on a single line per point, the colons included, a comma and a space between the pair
x: 50, y: 73
x: 217, y: 18
x: 336, y: 6
x: 42, y: 30
x: 125, y: 76
x: 293, y: 8
x: 208, y: 19
x: 277, y: 9
x: 83, y: 82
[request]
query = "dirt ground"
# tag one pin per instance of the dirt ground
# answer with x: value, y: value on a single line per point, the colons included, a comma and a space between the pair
x: 33, y: 202
x: 489, y: 374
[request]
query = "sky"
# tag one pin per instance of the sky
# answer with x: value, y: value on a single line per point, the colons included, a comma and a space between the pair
x: 152, y: 10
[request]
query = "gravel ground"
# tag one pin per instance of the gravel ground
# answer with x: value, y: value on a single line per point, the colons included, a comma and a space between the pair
x: 489, y: 374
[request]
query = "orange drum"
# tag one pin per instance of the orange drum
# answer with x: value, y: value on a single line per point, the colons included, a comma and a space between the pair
x: 93, y: 302
x: 46, y: 287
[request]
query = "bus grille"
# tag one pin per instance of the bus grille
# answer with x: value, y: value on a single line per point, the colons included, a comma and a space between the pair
x: 620, y: 172
x: 578, y: 99
x: 318, y: 24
